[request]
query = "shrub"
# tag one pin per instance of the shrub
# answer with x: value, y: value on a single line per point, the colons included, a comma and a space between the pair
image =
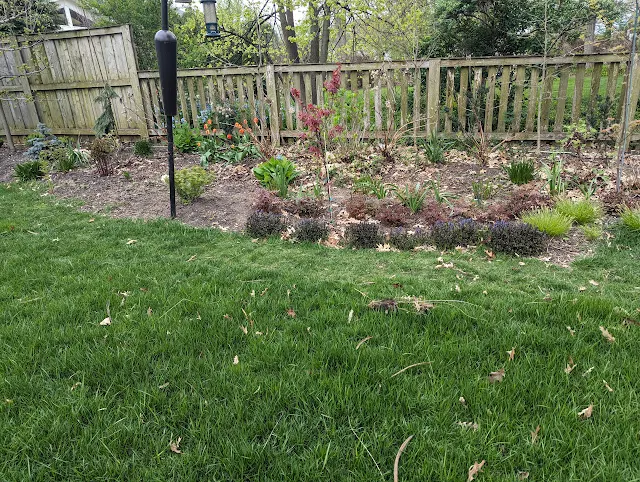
x: 359, y: 207
x: 267, y: 202
x: 516, y: 238
x: 591, y: 232
x: 522, y: 199
x: 312, y: 230
x: 363, y: 235
x: 405, y: 240
x: 262, y: 225
x: 520, y: 172
x: 583, y: 211
x: 40, y: 140
x: 463, y: 232
x: 191, y: 181
x: 393, y: 215
x: 30, y: 171
x: 186, y: 139
x: 631, y: 218
x: 101, y: 150
x: 432, y: 212
x: 413, y: 197
x: 142, y: 148
x: 548, y: 221
x: 57, y: 158
x: 276, y: 174
x: 306, y: 207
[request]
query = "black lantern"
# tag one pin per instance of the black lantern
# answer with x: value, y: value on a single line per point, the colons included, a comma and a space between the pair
x: 210, y: 18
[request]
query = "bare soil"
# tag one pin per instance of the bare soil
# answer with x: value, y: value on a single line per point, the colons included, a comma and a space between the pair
x: 136, y: 189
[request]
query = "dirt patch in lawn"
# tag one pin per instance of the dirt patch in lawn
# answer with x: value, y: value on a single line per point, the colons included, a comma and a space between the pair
x: 136, y: 189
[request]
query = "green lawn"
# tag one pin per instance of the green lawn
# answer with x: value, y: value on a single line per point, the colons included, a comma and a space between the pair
x: 80, y: 401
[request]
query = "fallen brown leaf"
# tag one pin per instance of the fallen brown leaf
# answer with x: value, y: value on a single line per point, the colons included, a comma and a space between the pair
x: 570, y: 366
x: 396, y: 464
x: 496, y: 376
x: 244, y: 329
x: 511, y: 353
x: 364, y: 340
x: 192, y: 258
x: 469, y: 425
x: 462, y: 401
x: 573, y: 332
x: 92, y: 220
x: 474, y: 470
x: 163, y: 386
x: 75, y: 385
x: 387, y: 306
x: 132, y: 241
x: 106, y: 321
x: 149, y: 311
x: 175, y: 446
x: 593, y: 283
x: 522, y: 475
x: 582, y: 288
x: 291, y: 313
x: 586, y: 413
x: 610, y: 338
x: 534, y: 435
x: 607, y: 386
x: 411, y: 366
x: 236, y: 360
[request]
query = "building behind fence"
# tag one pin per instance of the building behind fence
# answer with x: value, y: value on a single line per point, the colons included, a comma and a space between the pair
x: 507, y: 96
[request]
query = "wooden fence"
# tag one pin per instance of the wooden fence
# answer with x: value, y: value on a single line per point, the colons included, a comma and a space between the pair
x: 507, y: 96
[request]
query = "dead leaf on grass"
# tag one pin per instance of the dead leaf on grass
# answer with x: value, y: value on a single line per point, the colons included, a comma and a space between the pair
x: 387, y: 306
x: 570, y: 366
x: 396, y: 464
x: 163, y: 386
x: 132, y: 241
x: 582, y: 288
x: 364, y: 340
x: 92, y: 220
x: 244, y: 329
x: 350, y: 316
x: 175, y: 446
x: 236, y: 360
x: 462, y: 401
x: 586, y: 413
x: 593, y: 283
x: 106, y: 321
x: 607, y: 386
x: 534, y: 435
x: 469, y: 425
x: 522, y: 475
x: 458, y: 288
x: 496, y: 376
x: 474, y: 470
x: 573, y: 332
x: 588, y: 371
x: 411, y: 366
x: 610, y: 338
x: 291, y: 313
x: 511, y: 353
x: 75, y: 385
x: 149, y: 311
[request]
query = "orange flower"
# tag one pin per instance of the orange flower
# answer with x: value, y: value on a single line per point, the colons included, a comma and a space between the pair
x: 233, y: 146
x: 214, y: 130
x: 198, y: 144
x: 244, y: 122
x: 237, y: 125
x: 255, y: 120
x: 209, y: 122
x: 229, y: 136
x: 241, y: 131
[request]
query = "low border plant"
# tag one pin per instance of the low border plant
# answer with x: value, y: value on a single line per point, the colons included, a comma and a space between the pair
x: 191, y: 181
x: 449, y: 235
x: 263, y: 225
x: 363, y: 235
x: 405, y: 240
x: 516, y: 238
x: 311, y: 230
x: 583, y: 211
x: 630, y: 218
x: 548, y: 221
x: 30, y: 171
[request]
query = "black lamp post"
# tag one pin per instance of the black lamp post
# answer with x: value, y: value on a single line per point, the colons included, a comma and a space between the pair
x: 166, y: 50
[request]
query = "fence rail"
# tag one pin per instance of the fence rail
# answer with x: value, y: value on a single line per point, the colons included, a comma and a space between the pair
x: 509, y: 97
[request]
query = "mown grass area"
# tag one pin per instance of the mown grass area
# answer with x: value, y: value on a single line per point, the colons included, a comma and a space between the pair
x: 80, y: 401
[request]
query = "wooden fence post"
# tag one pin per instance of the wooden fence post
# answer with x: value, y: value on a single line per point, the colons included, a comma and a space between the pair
x: 135, y: 81
x: 23, y: 80
x: 634, y: 85
x: 433, y: 96
x: 274, y: 112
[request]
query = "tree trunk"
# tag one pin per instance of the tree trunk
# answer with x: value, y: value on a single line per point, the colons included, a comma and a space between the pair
x: 590, y: 37
x: 314, y: 31
x: 288, y: 30
x: 324, y: 39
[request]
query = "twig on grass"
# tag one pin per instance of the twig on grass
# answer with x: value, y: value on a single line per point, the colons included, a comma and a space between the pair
x: 411, y: 366
x: 397, y: 461
x: 365, y: 447
x: 364, y: 340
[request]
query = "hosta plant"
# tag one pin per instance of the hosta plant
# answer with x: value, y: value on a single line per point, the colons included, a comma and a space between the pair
x: 276, y: 174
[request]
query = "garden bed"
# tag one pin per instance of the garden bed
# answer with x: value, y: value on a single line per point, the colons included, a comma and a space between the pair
x: 136, y: 189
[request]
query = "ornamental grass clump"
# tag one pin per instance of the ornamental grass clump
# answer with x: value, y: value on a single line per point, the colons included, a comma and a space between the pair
x: 448, y: 235
x: 548, y: 221
x: 363, y: 235
x: 631, y: 219
x: 584, y: 211
x: 520, y: 172
x: 515, y: 238
x: 405, y: 240
x: 262, y: 225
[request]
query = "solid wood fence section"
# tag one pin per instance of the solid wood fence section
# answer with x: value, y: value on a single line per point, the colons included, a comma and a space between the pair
x: 71, y: 68
x: 506, y: 97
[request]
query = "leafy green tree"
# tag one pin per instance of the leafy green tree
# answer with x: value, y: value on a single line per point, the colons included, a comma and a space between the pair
x: 28, y: 17
x: 510, y: 27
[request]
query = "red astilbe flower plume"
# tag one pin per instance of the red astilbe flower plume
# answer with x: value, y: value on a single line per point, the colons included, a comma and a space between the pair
x: 333, y: 85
